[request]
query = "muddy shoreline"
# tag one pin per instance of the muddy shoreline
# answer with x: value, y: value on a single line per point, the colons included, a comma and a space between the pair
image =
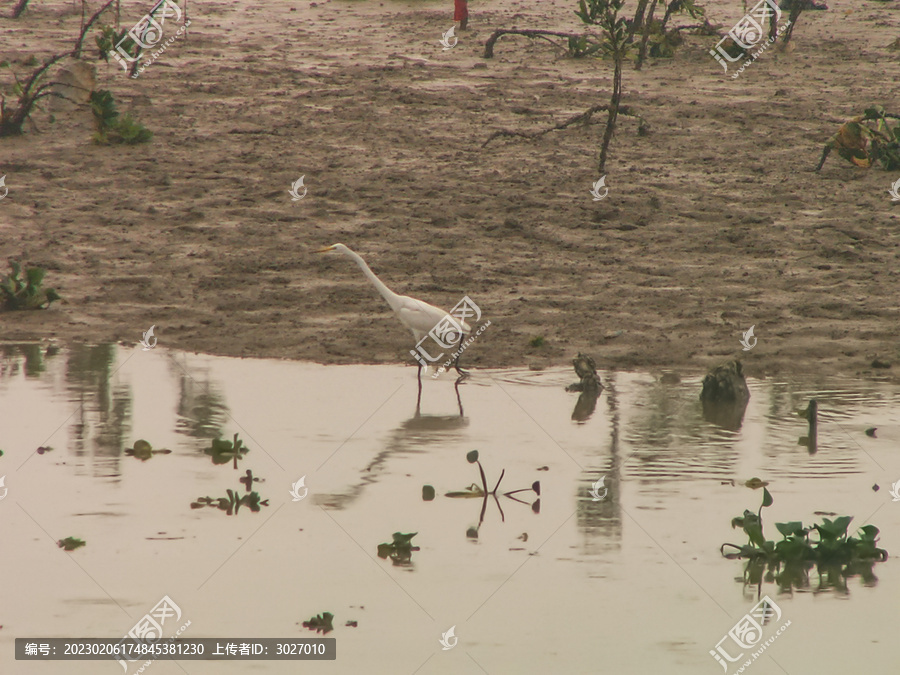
x: 714, y: 221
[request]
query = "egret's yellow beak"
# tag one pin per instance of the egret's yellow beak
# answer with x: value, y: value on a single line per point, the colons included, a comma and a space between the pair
x: 326, y: 249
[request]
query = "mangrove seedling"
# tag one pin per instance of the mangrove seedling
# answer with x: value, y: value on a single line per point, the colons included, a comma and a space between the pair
x: 400, y: 550
x: 27, y: 292
x: 70, y: 543
x: 869, y: 139
x: 112, y: 127
x: 31, y: 90
x: 605, y: 14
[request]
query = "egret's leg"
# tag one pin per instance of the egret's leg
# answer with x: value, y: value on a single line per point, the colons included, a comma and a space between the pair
x: 419, y: 397
x: 456, y: 360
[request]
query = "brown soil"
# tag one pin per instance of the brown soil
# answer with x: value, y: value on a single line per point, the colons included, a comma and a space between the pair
x: 714, y: 221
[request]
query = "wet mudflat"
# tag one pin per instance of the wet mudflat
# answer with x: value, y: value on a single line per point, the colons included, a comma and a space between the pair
x: 632, y: 583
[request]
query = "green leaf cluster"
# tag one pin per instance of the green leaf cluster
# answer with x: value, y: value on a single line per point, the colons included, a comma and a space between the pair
x: 26, y: 292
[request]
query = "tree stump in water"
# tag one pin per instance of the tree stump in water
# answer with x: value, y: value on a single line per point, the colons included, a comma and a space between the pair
x: 725, y: 395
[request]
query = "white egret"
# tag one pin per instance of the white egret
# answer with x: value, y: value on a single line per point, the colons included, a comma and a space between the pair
x: 418, y: 316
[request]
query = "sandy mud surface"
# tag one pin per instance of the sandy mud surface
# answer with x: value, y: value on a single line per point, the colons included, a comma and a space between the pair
x: 714, y: 220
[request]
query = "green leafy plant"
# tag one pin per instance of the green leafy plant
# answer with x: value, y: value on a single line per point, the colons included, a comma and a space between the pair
x: 232, y: 503
x: 26, y: 292
x: 143, y: 451
x: 869, y: 139
x: 109, y: 38
x: 832, y: 545
x: 111, y: 127
x: 321, y: 623
x: 70, y: 543
x: 614, y: 43
x: 223, y: 451
x: 30, y: 91
x: 400, y: 550
x: 537, y: 341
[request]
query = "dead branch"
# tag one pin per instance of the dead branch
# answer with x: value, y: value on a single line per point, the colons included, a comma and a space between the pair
x: 489, y: 45
x: 584, y: 118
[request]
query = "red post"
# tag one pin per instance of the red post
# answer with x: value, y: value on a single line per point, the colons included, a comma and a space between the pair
x: 461, y: 13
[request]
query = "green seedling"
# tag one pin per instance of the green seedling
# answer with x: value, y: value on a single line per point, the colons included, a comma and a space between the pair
x: 110, y: 126
x: 70, y: 543
x: 400, y: 550
x: 321, y: 623
x: 223, y: 451
x: 232, y: 503
x: 835, y: 553
x: 870, y: 139
x: 26, y: 292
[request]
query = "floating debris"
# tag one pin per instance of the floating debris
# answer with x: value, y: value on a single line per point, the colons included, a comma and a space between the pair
x: 871, y: 432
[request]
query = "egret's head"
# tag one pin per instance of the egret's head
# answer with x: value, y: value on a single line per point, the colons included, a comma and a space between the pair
x: 334, y: 248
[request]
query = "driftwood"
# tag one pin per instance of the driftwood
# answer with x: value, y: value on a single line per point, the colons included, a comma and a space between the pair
x: 489, y: 45
x: 584, y: 117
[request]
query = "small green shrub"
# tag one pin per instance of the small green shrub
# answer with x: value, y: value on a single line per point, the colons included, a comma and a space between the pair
x: 112, y: 127
x: 27, y: 292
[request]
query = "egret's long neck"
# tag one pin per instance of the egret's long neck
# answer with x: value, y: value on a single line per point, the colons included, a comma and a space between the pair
x: 386, y: 293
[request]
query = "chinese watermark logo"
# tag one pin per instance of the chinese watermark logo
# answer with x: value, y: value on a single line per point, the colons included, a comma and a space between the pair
x: 6, y: 189
x: 447, y: 37
x: 6, y: 489
x: 149, y: 628
x: 894, y: 191
x: 595, y: 490
x: 749, y: 32
x: 448, y: 333
x: 895, y: 491
x: 595, y: 190
x: 747, y: 633
x: 447, y: 637
x: 147, y: 34
x: 745, y: 342
x: 146, y: 339
x: 295, y: 189
x: 295, y: 490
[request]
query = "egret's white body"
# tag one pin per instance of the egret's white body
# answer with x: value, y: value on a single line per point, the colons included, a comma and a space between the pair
x: 418, y: 316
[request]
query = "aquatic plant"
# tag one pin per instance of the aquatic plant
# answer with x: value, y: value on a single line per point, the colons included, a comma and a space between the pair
x: 482, y: 492
x: 869, y: 139
x: 143, y: 451
x: 223, y: 451
x: 321, y: 623
x: 231, y: 504
x: 832, y: 545
x: 70, y: 543
x: 26, y: 292
x: 400, y: 550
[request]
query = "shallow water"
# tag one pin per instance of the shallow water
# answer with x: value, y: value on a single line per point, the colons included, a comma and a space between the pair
x: 631, y: 584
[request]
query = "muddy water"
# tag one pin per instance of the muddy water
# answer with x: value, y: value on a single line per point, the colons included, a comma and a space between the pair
x: 631, y: 584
